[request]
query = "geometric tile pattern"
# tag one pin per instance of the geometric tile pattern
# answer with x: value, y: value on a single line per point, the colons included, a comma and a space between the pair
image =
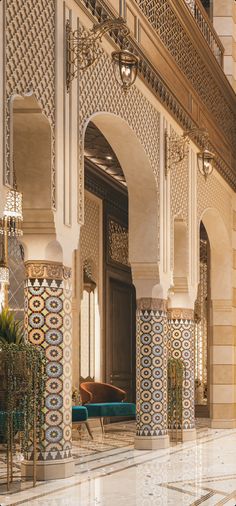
x: 213, y: 194
x: 30, y: 64
x: 151, y: 389
x: 17, y: 277
x: 90, y: 241
x: 48, y: 324
x: 181, y: 336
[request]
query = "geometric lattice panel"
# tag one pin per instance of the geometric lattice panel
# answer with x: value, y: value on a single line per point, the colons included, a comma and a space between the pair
x: 105, y: 95
x: 17, y: 277
x: 213, y: 194
x: 30, y: 63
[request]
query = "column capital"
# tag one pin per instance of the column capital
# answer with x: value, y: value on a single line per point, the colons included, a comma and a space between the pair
x: 45, y: 269
x: 180, y: 313
x: 149, y: 303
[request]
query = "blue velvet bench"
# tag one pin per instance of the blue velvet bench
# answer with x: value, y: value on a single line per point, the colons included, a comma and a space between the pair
x: 103, y: 400
x: 109, y: 409
x: 80, y: 415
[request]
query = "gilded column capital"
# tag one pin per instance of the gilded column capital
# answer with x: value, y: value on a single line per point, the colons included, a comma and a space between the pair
x: 43, y: 269
x: 148, y: 303
x: 180, y: 314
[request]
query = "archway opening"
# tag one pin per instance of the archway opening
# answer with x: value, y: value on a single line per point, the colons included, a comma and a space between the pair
x: 202, y: 328
x: 217, y: 279
x: 120, y: 229
x: 30, y: 161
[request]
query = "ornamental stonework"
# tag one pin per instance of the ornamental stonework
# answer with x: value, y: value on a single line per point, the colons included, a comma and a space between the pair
x: 118, y: 248
x: 213, y: 194
x: 163, y: 18
x: 105, y: 95
x: 30, y: 64
x: 47, y: 270
x: 150, y: 304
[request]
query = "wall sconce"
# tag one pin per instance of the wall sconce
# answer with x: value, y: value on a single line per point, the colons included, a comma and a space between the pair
x: 176, y: 150
x: 83, y: 50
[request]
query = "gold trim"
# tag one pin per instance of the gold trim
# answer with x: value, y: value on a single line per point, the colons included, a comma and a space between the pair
x: 47, y: 270
x: 148, y: 303
x: 180, y: 314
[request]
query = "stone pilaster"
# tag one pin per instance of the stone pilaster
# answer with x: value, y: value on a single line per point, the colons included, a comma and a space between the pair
x: 181, y: 346
x: 48, y: 324
x: 151, y: 374
x: 222, y: 372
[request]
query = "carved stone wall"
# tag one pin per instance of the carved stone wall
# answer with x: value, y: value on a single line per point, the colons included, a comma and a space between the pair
x: 164, y: 20
x: 105, y: 95
x: 29, y: 64
x: 212, y: 193
x: 90, y: 240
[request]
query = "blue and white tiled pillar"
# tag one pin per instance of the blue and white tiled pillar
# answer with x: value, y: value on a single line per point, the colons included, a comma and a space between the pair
x: 151, y: 386
x: 48, y: 293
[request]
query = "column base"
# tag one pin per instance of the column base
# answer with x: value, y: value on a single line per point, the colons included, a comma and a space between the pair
x: 223, y: 424
x: 151, y: 442
x: 49, y: 470
x: 188, y: 435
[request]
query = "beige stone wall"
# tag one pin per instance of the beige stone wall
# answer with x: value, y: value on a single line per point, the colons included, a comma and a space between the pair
x: 224, y: 19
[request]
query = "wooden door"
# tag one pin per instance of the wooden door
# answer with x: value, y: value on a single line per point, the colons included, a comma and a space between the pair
x: 120, y: 338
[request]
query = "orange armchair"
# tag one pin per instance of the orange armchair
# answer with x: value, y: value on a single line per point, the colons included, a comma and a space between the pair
x: 94, y: 392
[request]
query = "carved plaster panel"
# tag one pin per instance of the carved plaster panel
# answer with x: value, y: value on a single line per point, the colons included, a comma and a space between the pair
x: 104, y: 95
x: 90, y: 240
x: 212, y: 194
x: 30, y: 64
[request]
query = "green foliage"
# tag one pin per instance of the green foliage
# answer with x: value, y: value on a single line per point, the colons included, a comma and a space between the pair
x: 175, y: 392
x: 11, y: 331
x: 22, y: 381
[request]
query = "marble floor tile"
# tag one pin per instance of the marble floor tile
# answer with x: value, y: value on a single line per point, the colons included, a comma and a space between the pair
x: 109, y: 474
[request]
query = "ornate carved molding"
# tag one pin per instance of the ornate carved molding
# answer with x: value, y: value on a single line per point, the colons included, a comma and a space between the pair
x: 149, y: 304
x: 212, y: 104
x: 180, y: 314
x: 47, y: 270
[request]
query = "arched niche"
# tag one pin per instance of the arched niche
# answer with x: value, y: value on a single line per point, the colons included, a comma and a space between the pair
x: 32, y: 159
x: 141, y: 184
x: 220, y: 253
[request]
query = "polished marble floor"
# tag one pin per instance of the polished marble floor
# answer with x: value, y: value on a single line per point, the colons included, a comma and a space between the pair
x: 109, y: 472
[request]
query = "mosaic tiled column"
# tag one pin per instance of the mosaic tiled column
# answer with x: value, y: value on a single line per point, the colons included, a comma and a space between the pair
x: 181, y: 346
x: 151, y: 387
x: 48, y: 295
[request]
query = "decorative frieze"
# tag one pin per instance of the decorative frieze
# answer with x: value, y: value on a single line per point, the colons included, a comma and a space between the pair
x: 47, y: 270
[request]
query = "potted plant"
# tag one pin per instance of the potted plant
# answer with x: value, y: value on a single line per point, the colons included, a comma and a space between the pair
x: 21, y: 380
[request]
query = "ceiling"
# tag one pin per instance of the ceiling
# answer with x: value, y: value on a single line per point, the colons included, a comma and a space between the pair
x: 98, y: 150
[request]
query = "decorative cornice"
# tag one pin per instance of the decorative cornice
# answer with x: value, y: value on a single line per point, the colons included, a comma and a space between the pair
x: 180, y: 314
x: 160, y: 89
x: 47, y: 270
x: 150, y: 304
